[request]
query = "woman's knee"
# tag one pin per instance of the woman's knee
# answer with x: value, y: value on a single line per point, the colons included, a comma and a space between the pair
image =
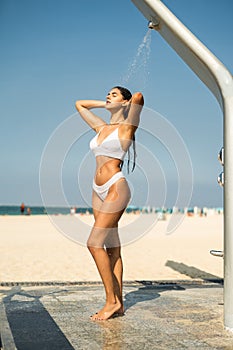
x: 91, y: 245
x: 95, y: 240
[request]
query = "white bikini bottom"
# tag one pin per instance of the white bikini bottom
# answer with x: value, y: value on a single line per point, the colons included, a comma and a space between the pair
x: 102, y: 190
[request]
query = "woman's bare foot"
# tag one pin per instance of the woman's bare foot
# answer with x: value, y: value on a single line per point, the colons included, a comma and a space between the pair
x: 119, y: 312
x: 108, y: 311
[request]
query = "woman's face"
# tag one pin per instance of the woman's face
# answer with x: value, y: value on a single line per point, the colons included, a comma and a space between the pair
x: 114, y: 99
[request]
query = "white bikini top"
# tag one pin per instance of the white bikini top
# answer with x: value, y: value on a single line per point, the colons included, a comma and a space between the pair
x: 110, y: 146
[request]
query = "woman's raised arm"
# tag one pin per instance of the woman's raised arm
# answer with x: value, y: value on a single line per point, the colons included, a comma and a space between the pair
x: 84, y: 106
x: 134, y: 109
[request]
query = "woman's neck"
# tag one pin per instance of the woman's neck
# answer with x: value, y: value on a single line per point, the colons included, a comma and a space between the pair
x: 117, y: 118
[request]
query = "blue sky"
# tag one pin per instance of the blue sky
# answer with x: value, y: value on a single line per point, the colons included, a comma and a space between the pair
x: 54, y: 52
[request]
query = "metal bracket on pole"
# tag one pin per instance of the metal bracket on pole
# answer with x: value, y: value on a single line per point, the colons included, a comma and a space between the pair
x: 219, y: 80
x: 218, y: 253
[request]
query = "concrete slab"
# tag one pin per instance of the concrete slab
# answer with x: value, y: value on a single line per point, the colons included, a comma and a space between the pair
x: 159, y: 315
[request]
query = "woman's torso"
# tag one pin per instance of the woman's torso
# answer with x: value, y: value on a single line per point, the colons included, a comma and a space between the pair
x: 110, y: 146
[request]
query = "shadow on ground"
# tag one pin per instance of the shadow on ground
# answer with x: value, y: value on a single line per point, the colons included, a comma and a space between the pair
x: 31, y: 325
x: 147, y: 293
x: 193, y: 272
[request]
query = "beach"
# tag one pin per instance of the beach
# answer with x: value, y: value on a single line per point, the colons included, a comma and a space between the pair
x: 33, y: 249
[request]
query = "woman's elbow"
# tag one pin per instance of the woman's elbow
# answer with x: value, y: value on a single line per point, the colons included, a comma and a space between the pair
x: 138, y: 98
x: 78, y: 105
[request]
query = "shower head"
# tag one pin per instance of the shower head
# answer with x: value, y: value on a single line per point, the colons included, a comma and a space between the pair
x: 153, y: 24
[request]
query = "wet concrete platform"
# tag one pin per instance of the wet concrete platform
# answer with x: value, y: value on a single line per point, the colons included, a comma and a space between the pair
x: 159, y: 315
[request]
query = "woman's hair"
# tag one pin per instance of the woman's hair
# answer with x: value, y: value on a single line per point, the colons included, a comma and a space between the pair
x: 127, y: 96
x: 124, y: 92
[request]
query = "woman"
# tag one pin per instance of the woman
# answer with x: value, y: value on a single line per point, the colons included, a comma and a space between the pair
x: 111, y: 192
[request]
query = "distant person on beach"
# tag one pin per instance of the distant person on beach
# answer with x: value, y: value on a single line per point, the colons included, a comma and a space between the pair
x: 72, y: 210
x: 22, y: 208
x: 111, y: 192
x: 28, y: 211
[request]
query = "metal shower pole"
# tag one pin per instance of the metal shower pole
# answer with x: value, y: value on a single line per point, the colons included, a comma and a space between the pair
x: 219, y: 80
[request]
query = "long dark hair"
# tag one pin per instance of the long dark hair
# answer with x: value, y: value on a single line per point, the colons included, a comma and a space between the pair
x: 127, y: 96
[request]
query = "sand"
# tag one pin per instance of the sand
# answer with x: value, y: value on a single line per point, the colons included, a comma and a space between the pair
x: 32, y: 249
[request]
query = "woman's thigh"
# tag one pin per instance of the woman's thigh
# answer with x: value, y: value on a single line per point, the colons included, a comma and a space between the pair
x: 107, y: 215
x: 114, y: 204
x: 117, y: 199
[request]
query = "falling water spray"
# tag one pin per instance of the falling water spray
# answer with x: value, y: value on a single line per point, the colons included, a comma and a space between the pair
x: 138, y: 68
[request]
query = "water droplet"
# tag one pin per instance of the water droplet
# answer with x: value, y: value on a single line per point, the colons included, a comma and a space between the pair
x: 138, y: 68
